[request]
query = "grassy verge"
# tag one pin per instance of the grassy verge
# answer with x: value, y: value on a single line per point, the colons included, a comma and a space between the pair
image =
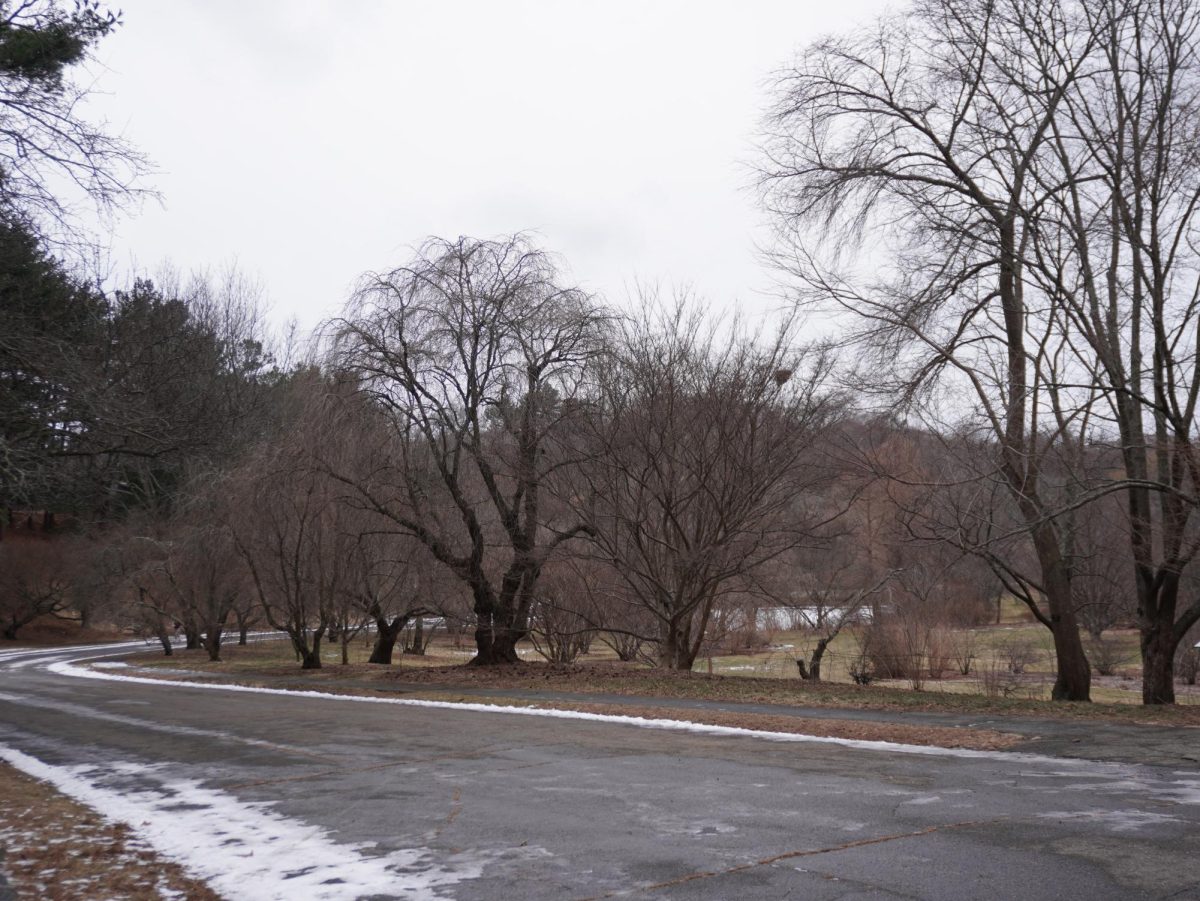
x: 439, y: 672
x: 56, y: 849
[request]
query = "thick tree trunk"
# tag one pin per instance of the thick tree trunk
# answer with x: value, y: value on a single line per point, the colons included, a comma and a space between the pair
x: 1158, y: 665
x: 1074, y: 679
x: 676, y: 650
x: 212, y: 644
x: 386, y: 635
x: 164, y: 638
x: 496, y: 635
x: 310, y: 659
x: 191, y: 638
x: 495, y: 647
x: 242, y: 630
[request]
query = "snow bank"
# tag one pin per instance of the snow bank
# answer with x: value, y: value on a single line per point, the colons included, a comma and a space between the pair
x: 242, y: 850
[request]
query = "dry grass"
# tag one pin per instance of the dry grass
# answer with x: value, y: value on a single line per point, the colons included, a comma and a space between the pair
x: 57, y: 850
x: 441, y: 672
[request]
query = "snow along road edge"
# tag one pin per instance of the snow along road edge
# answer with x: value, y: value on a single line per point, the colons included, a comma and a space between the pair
x: 241, y: 849
x: 64, y: 668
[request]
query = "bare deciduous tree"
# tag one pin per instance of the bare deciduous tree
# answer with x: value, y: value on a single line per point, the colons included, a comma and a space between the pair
x: 696, y: 455
x: 918, y: 139
x: 473, y: 353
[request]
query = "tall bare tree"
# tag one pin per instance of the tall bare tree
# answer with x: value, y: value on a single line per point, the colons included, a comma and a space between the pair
x: 900, y: 162
x: 473, y: 352
x: 696, y: 457
x: 1115, y: 240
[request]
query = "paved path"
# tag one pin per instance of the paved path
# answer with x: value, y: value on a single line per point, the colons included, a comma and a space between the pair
x: 475, y: 805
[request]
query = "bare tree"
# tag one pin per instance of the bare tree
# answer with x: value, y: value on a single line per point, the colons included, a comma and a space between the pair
x: 561, y: 626
x: 1116, y: 239
x: 34, y: 582
x: 919, y: 138
x: 473, y: 353
x: 293, y: 538
x: 393, y: 583
x: 696, y: 452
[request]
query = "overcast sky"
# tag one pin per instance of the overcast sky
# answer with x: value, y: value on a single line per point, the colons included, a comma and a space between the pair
x: 311, y: 141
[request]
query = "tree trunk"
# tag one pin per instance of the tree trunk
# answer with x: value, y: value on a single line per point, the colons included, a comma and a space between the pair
x: 418, y: 640
x: 676, y: 650
x: 310, y: 659
x: 495, y: 638
x: 191, y: 638
x: 242, y: 630
x: 1158, y: 665
x: 386, y: 635
x: 212, y: 644
x: 495, y: 647
x: 164, y: 638
x: 1074, y: 679
x: 812, y: 672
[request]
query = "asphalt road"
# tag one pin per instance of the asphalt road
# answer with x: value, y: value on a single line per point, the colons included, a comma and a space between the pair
x: 499, y: 806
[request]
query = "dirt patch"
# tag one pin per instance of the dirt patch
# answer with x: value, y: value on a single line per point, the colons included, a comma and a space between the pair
x: 58, y: 850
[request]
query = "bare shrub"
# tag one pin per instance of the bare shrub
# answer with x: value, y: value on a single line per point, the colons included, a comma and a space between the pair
x: 896, y: 649
x: 1106, y: 654
x: 939, y: 654
x: 559, y: 625
x: 627, y: 647
x: 1018, y: 653
x: 996, y: 679
x: 862, y: 671
x: 557, y: 632
x: 963, y: 650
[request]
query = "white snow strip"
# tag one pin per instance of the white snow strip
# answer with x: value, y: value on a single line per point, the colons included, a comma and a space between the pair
x: 69, y: 669
x: 244, y: 850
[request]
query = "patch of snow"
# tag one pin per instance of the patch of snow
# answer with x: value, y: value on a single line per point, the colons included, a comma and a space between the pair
x: 1116, y: 820
x: 243, y: 849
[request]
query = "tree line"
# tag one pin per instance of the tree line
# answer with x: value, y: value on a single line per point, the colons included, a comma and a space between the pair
x: 994, y: 199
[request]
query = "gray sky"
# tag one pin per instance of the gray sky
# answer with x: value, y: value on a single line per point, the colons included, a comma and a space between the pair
x: 311, y: 141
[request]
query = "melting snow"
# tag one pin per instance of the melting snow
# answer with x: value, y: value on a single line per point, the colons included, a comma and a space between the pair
x: 242, y: 849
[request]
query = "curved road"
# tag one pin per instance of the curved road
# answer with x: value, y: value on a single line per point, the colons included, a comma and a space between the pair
x: 267, y: 796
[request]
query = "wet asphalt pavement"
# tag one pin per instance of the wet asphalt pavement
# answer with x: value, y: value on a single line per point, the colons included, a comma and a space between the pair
x: 523, y: 808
